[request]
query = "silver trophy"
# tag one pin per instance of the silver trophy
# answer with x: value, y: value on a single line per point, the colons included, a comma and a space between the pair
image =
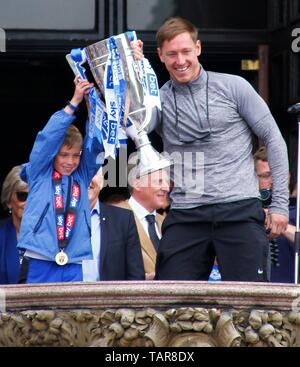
x: 136, y: 107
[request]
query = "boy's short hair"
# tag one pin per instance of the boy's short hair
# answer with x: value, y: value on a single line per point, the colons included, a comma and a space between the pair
x: 73, y: 137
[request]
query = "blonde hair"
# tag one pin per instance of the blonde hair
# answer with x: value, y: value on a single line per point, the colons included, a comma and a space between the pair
x: 73, y: 137
x: 12, y: 183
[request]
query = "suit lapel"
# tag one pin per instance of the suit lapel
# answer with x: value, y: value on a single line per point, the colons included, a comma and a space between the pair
x: 146, y: 244
x: 145, y: 241
x: 159, y: 220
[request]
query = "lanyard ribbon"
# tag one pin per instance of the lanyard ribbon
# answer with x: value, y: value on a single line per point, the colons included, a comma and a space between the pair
x: 65, y: 220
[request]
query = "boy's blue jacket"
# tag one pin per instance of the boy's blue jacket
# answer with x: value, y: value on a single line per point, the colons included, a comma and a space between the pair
x: 38, y: 226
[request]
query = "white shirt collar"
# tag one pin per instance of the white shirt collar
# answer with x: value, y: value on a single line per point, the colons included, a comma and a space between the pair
x: 138, y: 209
x: 96, y: 207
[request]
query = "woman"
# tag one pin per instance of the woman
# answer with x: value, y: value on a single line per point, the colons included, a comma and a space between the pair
x: 13, y: 198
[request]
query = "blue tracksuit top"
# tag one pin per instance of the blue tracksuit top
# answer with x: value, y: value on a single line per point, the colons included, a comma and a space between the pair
x: 38, y: 227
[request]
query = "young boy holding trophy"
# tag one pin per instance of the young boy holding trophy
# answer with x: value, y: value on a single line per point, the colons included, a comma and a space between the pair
x: 56, y: 224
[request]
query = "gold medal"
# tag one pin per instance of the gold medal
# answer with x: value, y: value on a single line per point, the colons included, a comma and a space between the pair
x: 61, y: 258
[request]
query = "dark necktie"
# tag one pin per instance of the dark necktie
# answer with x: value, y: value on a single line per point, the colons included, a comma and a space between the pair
x: 151, y: 230
x: 94, y: 212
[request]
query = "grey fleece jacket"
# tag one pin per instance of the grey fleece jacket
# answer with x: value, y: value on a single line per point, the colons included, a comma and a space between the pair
x: 206, y: 126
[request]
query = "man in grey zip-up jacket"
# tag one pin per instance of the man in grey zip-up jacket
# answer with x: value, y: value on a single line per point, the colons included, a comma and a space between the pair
x: 206, y: 123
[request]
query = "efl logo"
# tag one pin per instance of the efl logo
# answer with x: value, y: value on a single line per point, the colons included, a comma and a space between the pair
x: 152, y: 83
x: 296, y: 42
x: 2, y: 40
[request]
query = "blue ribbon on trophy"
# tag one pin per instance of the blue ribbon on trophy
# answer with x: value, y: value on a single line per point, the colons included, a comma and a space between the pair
x: 119, y: 85
x: 150, y: 84
x: 97, y: 116
x: 112, y: 99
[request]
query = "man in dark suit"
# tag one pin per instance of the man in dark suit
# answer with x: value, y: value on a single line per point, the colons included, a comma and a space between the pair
x: 148, y: 193
x: 115, y: 241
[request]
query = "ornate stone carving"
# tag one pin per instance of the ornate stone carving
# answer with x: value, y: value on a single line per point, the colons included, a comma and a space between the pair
x: 179, y: 327
x: 150, y: 314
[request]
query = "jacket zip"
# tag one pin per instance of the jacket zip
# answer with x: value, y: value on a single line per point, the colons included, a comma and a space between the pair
x: 195, y: 106
x: 36, y: 228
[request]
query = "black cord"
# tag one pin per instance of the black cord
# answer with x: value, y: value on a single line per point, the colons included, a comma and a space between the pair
x: 176, y: 108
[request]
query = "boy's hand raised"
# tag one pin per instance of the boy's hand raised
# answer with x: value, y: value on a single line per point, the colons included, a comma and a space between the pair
x: 82, y: 88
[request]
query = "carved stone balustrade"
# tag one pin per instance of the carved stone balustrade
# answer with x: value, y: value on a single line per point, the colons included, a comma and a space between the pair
x: 151, y: 314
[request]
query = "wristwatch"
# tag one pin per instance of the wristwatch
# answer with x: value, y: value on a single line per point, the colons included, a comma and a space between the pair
x: 73, y: 107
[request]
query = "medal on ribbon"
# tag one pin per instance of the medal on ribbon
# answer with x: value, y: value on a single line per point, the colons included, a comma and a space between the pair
x: 65, y: 219
x: 61, y: 258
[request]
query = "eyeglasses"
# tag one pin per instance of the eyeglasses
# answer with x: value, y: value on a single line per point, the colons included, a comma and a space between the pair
x: 22, y: 195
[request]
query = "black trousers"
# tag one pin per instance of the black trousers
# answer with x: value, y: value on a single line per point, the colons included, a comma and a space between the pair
x: 234, y: 232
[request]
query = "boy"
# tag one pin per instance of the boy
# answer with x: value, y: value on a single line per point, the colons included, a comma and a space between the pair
x: 56, y: 228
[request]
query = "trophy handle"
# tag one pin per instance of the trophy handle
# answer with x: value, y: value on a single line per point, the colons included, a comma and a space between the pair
x: 72, y: 64
x: 97, y: 55
x: 147, y: 112
x: 77, y: 66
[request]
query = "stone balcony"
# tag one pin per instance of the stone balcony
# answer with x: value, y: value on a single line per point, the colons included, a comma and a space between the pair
x: 151, y: 314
